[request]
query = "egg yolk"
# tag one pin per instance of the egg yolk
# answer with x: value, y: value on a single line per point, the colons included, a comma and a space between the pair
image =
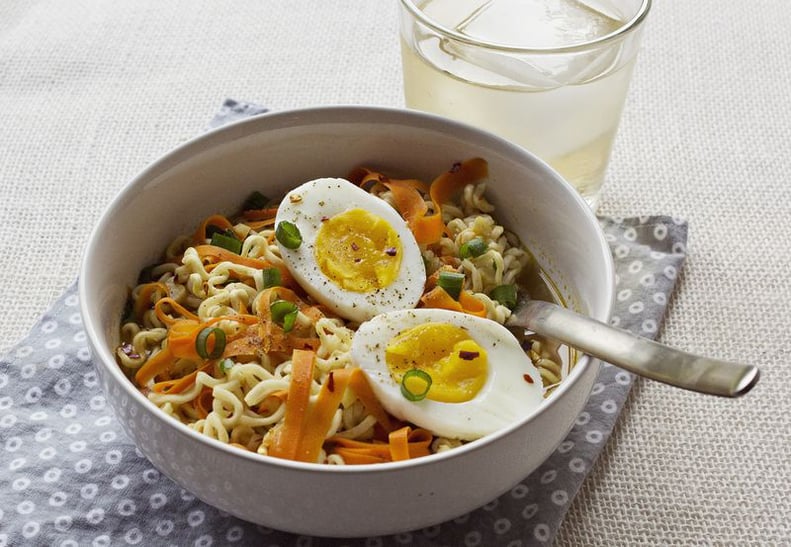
x: 456, y: 363
x: 358, y: 251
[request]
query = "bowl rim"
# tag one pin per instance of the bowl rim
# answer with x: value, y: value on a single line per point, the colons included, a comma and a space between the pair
x: 293, y: 117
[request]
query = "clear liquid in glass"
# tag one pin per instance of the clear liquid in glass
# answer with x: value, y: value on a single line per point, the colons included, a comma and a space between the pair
x: 563, y: 106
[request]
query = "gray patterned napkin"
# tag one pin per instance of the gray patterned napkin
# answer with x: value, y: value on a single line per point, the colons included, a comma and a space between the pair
x: 69, y: 476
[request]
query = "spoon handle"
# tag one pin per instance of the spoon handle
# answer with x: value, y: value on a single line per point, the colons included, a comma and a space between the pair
x: 634, y: 353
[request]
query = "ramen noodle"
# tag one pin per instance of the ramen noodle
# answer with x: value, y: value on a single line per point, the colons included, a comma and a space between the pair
x: 223, y: 335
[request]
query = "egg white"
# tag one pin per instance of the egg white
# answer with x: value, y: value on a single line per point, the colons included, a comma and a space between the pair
x: 505, y: 397
x: 317, y: 200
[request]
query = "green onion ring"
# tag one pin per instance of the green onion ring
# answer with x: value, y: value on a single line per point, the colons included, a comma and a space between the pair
x: 452, y: 282
x: 505, y: 295
x: 289, y: 320
x: 423, y: 375
x: 227, y: 242
x: 473, y: 248
x: 284, y: 313
x: 287, y: 234
x: 202, y: 340
x: 256, y: 200
x: 226, y: 365
x: 270, y: 277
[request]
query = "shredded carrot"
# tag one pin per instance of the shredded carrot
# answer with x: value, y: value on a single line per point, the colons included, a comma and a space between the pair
x: 427, y: 229
x: 404, y: 443
x: 449, y: 183
x: 399, y: 444
x: 147, y: 296
x: 288, y: 435
x: 204, y: 401
x: 247, y: 344
x: 272, y: 336
x: 467, y: 303
x: 304, y: 429
x: 267, y: 213
x: 471, y: 305
x: 259, y: 225
x: 321, y: 414
x: 371, y: 453
x: 182, y: 334
x: 327, y: 403
x: 181, y: 338
x: 180, y: 385
x: 445, y: 186
x: 211, y: 254
x: 219, y: 221
x: 168, y: 319
x: 367, y: 178
x: 358, y: 382
x: 155, y: 365
x: 410, y: 203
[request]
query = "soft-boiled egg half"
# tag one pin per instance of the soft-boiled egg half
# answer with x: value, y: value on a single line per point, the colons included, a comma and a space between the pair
x: 475, y: 378
x: 357, y: 255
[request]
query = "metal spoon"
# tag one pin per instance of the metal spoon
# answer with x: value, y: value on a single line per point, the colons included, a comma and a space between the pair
x: 634, y: 353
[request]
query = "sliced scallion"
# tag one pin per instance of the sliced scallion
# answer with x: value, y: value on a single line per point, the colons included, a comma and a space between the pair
x: 473, y: 248
x: 202, y: 343
x: 452, y: 282
x: 422, y: 376
x: 288, y: 235
x: 212, y: 229
x: 284, y: 313
x: 270, y: 277
x: 226, y: 365
x: 256, y: 200
x: 505, y: 295
x: 227, y: 242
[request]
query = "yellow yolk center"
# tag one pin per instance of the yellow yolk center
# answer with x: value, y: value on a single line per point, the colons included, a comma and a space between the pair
x: 358, y: 250
x: 456, y: 363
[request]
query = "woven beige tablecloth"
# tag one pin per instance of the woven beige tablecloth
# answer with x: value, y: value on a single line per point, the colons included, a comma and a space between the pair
x: 92, y: 91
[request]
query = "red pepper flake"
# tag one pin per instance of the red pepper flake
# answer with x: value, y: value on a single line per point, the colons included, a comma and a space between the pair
x: 331, y: 382
x: 528, y: 378
x: 456, y: 167
x: 469, y: 355
x: 355, y: 247
x: 325, y: 219
x: 390, y: 251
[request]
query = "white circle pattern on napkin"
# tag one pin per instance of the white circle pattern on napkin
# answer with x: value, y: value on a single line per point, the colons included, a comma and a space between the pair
x: 70, y: 476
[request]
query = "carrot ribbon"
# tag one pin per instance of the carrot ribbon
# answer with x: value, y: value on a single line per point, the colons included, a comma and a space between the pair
x: 408, y: 195
x: 467, y: 303
x: 181, y: 344
x: 303, y: 432
x: 404, y: 443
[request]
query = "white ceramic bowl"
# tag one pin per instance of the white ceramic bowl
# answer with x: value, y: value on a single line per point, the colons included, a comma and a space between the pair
x: 214, y: 173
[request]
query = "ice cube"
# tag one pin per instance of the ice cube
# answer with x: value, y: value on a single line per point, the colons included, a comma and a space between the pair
x: 536, y: 23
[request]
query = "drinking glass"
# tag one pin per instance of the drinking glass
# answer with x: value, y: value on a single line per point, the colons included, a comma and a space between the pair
x: 549, y: 75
